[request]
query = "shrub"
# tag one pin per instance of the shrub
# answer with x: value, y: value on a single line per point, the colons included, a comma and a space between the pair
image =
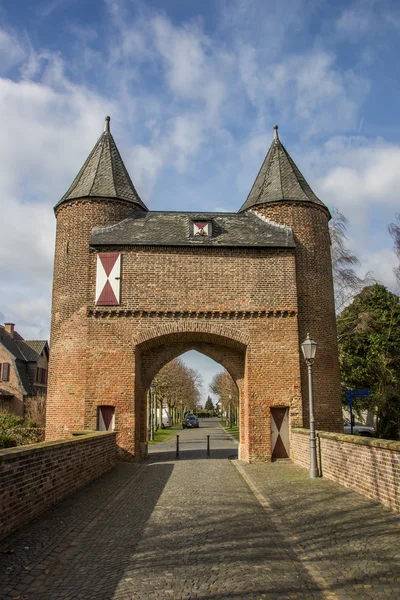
x: 9, y: 421
x: 6, y: 441
x: 27, y: 435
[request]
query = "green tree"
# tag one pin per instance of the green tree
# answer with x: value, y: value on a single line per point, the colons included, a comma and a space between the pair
x: 209, y: 404
x: 369, y: 344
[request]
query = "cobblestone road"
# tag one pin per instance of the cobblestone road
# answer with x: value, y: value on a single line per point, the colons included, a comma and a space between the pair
x: 205, y: 529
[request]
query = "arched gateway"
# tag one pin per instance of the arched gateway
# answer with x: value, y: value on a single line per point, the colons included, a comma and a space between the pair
x: 134, y: 289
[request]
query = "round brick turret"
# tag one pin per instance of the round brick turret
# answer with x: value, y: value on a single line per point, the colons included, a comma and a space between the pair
x: 101, y: 194
x: 281, y: 195
x: 316, y: 308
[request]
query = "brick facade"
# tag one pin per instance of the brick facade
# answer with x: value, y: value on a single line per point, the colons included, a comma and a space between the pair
x: 15, y: 404
x: 244, y: 306
x: 35, y: 477
x: 371, y: 467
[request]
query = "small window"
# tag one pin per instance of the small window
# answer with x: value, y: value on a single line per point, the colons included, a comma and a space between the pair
x: 5, y: 372
x: 41, y: 376
x: 201, y: 229
x: 106, y: 418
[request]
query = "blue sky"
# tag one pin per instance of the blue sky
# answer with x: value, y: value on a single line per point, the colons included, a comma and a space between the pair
x: 193, y: 89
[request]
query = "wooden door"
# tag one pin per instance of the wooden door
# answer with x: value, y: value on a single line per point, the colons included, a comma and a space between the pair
x: 280, y: 432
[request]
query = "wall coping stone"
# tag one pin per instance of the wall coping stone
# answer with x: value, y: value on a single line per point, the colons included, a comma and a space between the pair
x: 18, y: 451
x: 392, y: 445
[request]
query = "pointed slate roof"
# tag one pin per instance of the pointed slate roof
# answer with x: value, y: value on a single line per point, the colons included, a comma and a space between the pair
x: 104, y: 174
x: 279, y: 179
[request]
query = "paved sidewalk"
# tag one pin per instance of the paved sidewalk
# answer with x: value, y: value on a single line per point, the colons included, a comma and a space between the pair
x: 205, y: 529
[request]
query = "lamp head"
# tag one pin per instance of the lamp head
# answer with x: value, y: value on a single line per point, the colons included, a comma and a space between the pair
x: 153, y: 386
x: 309, y: 349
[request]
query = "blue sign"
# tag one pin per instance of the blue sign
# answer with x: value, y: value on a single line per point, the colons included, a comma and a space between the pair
x: 350, y: 394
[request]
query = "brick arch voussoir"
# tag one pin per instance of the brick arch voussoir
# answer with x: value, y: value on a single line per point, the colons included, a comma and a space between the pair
x: 228, y: 335
x: 154, y: 359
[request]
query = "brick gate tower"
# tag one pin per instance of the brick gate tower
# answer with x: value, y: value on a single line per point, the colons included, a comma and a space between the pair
x: 134, y: 289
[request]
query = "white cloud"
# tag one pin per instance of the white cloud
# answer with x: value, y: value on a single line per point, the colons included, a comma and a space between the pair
x: 186, y: 104
x: 12, y: 52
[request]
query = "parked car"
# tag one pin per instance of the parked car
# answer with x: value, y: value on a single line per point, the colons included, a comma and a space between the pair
x: 190, y: 421
x: 358, y: 429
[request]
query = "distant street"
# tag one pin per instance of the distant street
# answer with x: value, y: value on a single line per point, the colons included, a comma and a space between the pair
x: 205, y: 529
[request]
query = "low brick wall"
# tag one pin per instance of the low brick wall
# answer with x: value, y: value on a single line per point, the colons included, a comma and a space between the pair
x: 34, y: 477
x: 369, y: 466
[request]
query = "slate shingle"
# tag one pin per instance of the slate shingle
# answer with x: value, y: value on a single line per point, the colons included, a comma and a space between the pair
x: 174, y: 229
x: 103, y: 175
x: 279, y: 179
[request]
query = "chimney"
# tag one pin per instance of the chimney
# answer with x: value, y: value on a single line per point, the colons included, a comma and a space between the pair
x: 9, y: 328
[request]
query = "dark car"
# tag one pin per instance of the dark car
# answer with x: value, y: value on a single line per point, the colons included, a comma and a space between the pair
x: 190, y: 421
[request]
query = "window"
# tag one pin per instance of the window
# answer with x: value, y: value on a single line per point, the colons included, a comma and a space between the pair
x: 105, y: 418
x: 5, y: 372
x: 41, y: 376
x: 201, y: 229
x: 108, y: 276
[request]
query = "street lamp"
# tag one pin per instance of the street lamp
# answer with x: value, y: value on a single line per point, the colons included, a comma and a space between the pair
x: 230, y: 412
x: 309, y: 348
x: 152, y: 390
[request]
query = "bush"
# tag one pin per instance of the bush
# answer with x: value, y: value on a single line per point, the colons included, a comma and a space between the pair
x: 27, y: 435
x: 9, y: 421
x: 6, y: 441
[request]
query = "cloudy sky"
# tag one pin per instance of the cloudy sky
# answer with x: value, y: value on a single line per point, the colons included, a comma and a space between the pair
x: 193, y: 89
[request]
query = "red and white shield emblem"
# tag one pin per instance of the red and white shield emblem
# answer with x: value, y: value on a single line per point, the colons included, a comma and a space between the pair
x: 201, y: 229
x: 108, y: 278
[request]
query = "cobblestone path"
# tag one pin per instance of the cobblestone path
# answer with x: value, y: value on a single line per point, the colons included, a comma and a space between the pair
x: 205, y: 529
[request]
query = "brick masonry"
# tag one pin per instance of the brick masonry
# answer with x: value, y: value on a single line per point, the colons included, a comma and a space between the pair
x: 369, y: 466
x: 15, y: 404
x: 247, y: 308
x: 33, y: 478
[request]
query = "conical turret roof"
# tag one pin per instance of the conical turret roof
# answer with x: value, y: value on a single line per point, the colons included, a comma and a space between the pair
x: 104, y: 174
x: 279, y: 179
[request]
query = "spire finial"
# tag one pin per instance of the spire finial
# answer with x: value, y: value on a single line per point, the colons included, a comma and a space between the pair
x: 107, y: 125
x: 276, y: 136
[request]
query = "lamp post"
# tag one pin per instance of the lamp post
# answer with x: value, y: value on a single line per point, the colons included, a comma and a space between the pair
x: 152, y: 390
x: 309, y: 349
x: 230, y: 412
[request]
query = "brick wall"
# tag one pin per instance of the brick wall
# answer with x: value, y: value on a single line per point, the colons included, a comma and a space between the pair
x: 265, y: 295
x: 15, y: 404
x: 33, y: 478
x: 316, y: 310
x: 369, y: 466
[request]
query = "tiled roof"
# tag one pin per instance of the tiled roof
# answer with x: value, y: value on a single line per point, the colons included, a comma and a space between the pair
x: 22, y: 352
x: 31, y: 349
x: 104, y: 174
x: 279, y: 179
x: 175, y: 229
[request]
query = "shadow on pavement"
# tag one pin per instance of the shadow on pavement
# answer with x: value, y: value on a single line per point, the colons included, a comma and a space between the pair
x: 81, y: 547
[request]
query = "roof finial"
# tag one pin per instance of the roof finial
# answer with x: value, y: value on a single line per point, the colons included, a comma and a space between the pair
x: 276, y: 136
x: 107, y: 125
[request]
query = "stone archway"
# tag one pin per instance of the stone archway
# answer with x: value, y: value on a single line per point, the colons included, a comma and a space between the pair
x: 157, y: 347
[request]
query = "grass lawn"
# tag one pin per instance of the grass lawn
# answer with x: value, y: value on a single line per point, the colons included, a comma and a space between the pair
x: 162, y: 434
x: 233, y: 431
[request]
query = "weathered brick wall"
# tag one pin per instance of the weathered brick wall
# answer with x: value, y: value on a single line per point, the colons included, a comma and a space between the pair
x: 262, y: 294
x: 316, y: 310
x: 33, y: 478
x: 369, y: 466
x: 68, y: 337
x: 13, y: 405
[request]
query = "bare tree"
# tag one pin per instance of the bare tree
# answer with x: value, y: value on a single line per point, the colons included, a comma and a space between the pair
x: 345, y: 279
x: 394, y: 230
x: 179, y: 387
x: 223, y: 386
